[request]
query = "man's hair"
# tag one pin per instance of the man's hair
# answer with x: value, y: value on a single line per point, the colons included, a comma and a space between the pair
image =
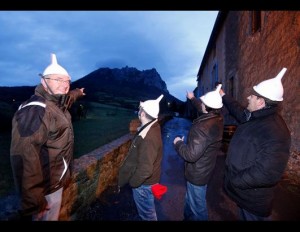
x: 208, y: 109
x: 271, y: 103
x: 268, y: 102
x: 217, y: 83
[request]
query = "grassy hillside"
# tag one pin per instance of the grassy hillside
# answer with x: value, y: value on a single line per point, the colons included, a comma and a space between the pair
x: 102, y: 125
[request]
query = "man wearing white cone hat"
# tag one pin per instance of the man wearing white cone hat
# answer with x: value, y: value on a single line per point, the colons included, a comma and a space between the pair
x: 258, y: 151
x: 200, y: 152
x: 141, y: 168
x: 42, y: 144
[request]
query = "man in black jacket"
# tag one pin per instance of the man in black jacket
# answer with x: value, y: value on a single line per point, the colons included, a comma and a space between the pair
x: 259, y: 150
x: 200, y: 152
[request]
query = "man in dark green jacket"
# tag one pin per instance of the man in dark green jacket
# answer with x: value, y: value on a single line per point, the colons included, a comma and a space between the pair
x: 142, y: 166
x: 258, y: 151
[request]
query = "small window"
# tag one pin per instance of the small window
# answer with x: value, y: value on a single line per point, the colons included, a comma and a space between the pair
x: 255, y: 21
x: 214, y: 76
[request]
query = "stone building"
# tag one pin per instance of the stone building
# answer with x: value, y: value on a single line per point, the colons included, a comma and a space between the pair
x: 247, y: 47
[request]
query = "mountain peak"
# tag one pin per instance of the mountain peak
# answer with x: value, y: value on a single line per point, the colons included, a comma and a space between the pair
x: 126, y: 75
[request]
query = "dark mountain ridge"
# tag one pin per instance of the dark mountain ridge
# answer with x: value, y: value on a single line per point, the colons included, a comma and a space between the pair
x: 124, y: 87
x: 126, y: 82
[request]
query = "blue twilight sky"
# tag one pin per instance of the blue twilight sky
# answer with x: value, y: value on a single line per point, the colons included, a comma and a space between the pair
x: 172, y: 42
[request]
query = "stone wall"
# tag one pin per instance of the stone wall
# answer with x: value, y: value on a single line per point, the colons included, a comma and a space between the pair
x: 93, y: 173
x: 96, y: 171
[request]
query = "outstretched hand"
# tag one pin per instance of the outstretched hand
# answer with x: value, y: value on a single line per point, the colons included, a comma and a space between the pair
x: 222, y: 93
x: 189, y: 95
x: 82, y: 89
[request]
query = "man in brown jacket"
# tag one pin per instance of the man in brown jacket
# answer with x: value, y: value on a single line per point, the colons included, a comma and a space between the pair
x: 142, y: 166
x: 42, y: 145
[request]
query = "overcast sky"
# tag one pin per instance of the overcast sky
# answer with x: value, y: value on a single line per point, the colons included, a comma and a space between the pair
x: 172, y: 42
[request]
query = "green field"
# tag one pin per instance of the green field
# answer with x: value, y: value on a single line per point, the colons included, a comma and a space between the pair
x: 102, y: 124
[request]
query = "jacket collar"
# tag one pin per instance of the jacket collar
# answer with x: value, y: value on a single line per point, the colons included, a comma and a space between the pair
x: 39, y: 90
x: 263, y: 112
x: 204, y: 116
x: 58, y: 99
x: 144, y: 130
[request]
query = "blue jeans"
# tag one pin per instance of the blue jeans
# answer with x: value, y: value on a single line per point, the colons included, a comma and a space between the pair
x: 144, y: 201
x: 195, y: 203
x: 247, y: 216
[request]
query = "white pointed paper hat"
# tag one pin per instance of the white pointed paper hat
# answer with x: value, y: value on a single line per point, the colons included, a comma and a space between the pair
x: 271, y: 88
x: 213, y: 98
x: 55, y: 68
x: 151, y: 107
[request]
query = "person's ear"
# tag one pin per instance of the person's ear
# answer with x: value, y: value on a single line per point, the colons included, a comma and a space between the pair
x: 43, y: 83
x: 261, y: 102
x: 142, y: 113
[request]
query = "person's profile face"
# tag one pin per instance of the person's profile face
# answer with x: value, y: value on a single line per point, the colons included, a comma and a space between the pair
x: 253, y: 103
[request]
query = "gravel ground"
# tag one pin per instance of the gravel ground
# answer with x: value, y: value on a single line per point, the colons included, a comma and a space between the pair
x: 113, y: 207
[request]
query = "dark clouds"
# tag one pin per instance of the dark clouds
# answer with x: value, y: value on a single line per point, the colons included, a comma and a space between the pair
x: 173, y: 42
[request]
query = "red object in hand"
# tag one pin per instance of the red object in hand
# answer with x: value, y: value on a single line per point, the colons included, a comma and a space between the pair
x: 158, y: 190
